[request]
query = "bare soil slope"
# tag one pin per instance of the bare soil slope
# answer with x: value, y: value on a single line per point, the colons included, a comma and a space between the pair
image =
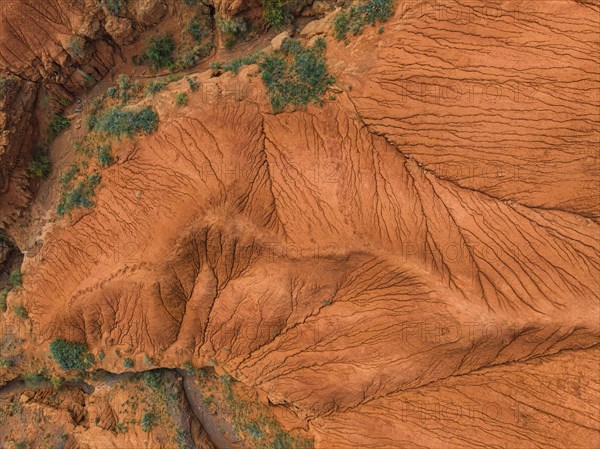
x: 332, y: 259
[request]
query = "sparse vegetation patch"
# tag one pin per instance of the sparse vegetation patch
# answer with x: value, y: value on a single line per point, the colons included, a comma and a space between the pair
x: 118, y: 122
x: 235, y: 29
x: 296, y: 75
x: 71, y: 355
x: 78, y: 196
x: 114, y: 6
x: 361, y: 14
x: 159, y: 53
x: 58, y: 123
x: 276, y: 13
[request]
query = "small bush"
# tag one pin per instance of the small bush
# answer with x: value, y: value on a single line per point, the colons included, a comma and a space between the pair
x: 275, y: 13
x: 69, y: 175
x: 189, y: 368
x: 34, y: 379
x: 193, y: 83
x: 111, y: 92
x: 148, y: 360
x: 6, y: 363
x: 235, y: 28
x: 152, y: 379
x: 3, y: 296
x: 82, y: 149
x: 123, y: 82
x: 117, y: 122
x: 296, y: 75
x: 128, y: 363
x: 40, y: 166
x: 71, y: 355
x: 366, y: 12
x: 22, y: 444
x: 75, y: 47
x: 148, y: 421
x: 191, y: 2
x: 59, y: 123
x: 190, y: 58
x: 104, y: 156
x: 160, y: 51
x: 79, y: 196
x: 154, y: 87
x: 235, y: 65
x: 101, y: 354
x: 15, y: 278
x: 254, y: 431
x: 181, y: 99
x: 5, y: 83
x: 97, y: 104
x: 114, y: 6
x: 21, y: 312
x: 196, y: 30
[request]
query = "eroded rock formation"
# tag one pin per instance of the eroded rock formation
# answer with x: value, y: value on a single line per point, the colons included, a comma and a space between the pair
x: 413, y: 264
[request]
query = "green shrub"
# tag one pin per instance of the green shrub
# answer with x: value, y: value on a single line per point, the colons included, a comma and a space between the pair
x: 196, y: 30
x: 71, y: 355
x: 148, y: 421
x: 96, y: 105
x: 40, y: 166
x: 6, y: 363
x: 190, y: 58
x: 154, y: 87
x: 366, y: 12
x: 152, y: 379
x: 191, y: 2
x: 193, y: 83
x: 160, y: 51
x: 58, y: 123
x: 181, y: 99
x: 128, y: 363
x: 189, y: 368
x: 117, y: 122
x: 15, y: 278
x: 125, y: 88
x: 79, y: 196
x: 21, y: 312
x: 104, y: 156
x: 148, y: 360
x: 111, y: 92
x: 3, y: 296
x: 296, y: 75
x: 123, y: 82
x: 22, y: 444
x: 33, y: 379
x: 275, y: 13
x: 235, y: 28
x: 235, y: 65
x: 254, y: 431
x: 114, y: 6
x: 5, y: 83
x: 82, y: 149
x: 101, y: 354
x: 75, y: 47
x: 69, y: 175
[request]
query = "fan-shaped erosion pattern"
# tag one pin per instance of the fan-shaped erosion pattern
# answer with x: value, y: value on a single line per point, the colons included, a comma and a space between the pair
x: 326, y: 258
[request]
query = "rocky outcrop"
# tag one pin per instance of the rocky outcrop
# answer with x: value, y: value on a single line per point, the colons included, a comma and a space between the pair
x: 17, y: 125
x: 64, y: 46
